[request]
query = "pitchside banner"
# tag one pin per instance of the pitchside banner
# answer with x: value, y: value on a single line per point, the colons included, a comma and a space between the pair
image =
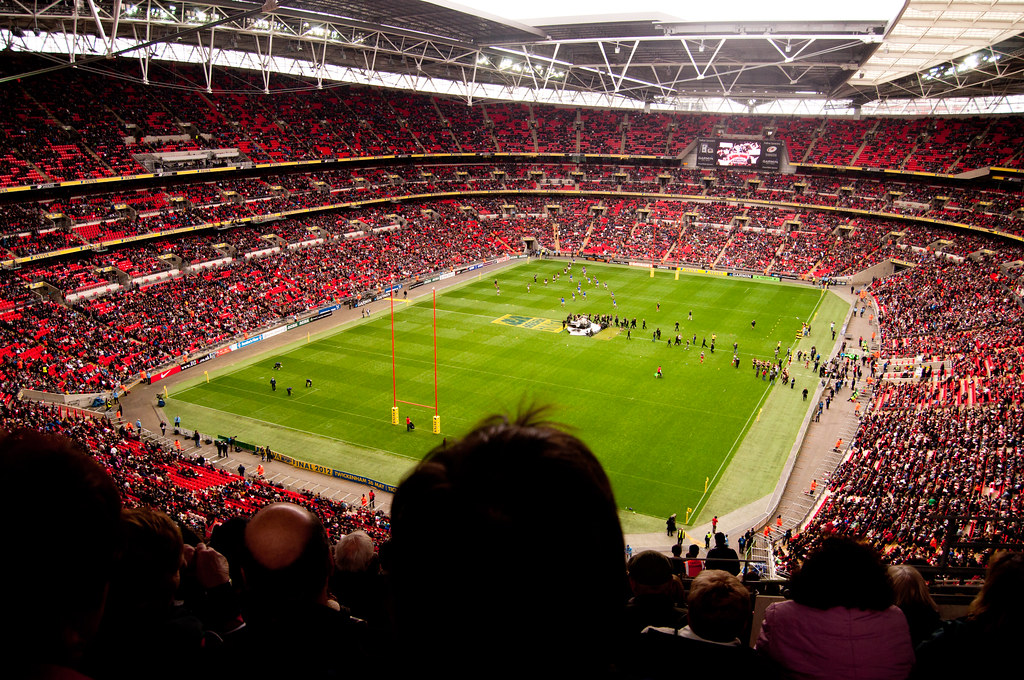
x: 331, y: 472
x: 166, y: 373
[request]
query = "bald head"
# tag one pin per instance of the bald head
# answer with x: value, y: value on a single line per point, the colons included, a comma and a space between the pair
x: 277, y: 534
x: 287, y: 554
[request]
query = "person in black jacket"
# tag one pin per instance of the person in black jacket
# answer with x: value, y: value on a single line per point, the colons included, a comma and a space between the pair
x: 722, y: 556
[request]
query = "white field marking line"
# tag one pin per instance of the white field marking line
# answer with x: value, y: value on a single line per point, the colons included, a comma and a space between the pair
x: 349, y: 325
x: 814, y: 311
x: 329, y: 335
x: 657, y: 481
x: 735, y: 445
x: 540, y: 382
x: 305, y: 391
x: 313, y: 434
x: 320, y: 407
x: 240, y: 388
x: 298, y: 394
x: 440, y: 310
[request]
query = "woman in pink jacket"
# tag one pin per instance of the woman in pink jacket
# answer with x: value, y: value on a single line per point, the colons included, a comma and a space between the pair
x: 841, y: 622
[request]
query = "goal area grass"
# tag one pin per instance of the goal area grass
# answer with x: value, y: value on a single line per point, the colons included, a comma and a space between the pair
x: 667, y: 443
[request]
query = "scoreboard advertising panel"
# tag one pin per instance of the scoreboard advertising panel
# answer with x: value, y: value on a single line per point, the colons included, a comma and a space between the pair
x: 739, y: 153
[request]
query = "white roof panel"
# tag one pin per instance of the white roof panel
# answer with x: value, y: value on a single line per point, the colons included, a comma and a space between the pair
x: 940, y: 31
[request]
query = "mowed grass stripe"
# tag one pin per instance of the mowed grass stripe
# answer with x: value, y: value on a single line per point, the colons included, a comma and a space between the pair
x: 658, y: 439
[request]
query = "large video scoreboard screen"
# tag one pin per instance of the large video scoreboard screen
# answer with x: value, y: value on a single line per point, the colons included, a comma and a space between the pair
x: 738, y: 153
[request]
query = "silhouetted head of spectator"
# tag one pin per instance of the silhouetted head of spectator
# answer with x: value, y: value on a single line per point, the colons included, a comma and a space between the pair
x: 385, y: 556
x: 228, y: 538
x: 677, y: 550
x: 999, y: 607
x: 718, y: 606
x: 149, y: 570
x: 720, y: 540
x: 649, y: 572
x: 483, y: 560
x: 288, y: 557
x: 843, y: 572
x: 354, y: 553
x: 693, y: 551
x: 63, y: 542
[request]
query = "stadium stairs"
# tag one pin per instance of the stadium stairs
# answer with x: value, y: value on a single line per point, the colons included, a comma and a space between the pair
x: 818, y: 457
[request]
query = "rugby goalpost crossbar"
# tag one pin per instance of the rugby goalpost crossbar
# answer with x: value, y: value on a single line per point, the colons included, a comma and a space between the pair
x: 436, y: 420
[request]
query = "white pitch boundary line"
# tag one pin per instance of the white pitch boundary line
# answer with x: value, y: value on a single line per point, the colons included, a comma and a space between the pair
x: 327, y: 340
x: 744, y: 431
x: 306, y: 391
x: 313, y: 434
x: 814, y: 311
x: 658, y: 481
x: 244, y: 390
x: 735, y: 445
x: 660, y: 404
x: 531, y: 380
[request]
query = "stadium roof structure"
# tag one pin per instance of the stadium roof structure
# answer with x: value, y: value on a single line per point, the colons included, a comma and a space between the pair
x: 891, y: 56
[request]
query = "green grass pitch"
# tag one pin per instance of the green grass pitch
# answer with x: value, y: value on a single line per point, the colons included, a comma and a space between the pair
x: 661, y: 440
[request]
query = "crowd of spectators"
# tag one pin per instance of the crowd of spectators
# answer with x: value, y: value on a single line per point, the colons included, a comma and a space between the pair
x: 751, y: 249
x: 53, y: 348
x: 55, y: 132
x: 408, y: 240
x: 182, y: 483
x: 184, y: 565
x: 953, y: 308
x: 940, y: 444
x: 102, y: 218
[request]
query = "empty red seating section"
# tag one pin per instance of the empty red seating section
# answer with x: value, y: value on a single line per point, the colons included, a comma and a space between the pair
x: 839, y: 142
x: 511, y: 127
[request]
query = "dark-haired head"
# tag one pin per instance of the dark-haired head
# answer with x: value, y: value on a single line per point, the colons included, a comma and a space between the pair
x: 510, y: 539
x: 228, y: 538
x: 64, y: 541
x: 998, y: 606
x: 148, y: 573
x: 843, y: 572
